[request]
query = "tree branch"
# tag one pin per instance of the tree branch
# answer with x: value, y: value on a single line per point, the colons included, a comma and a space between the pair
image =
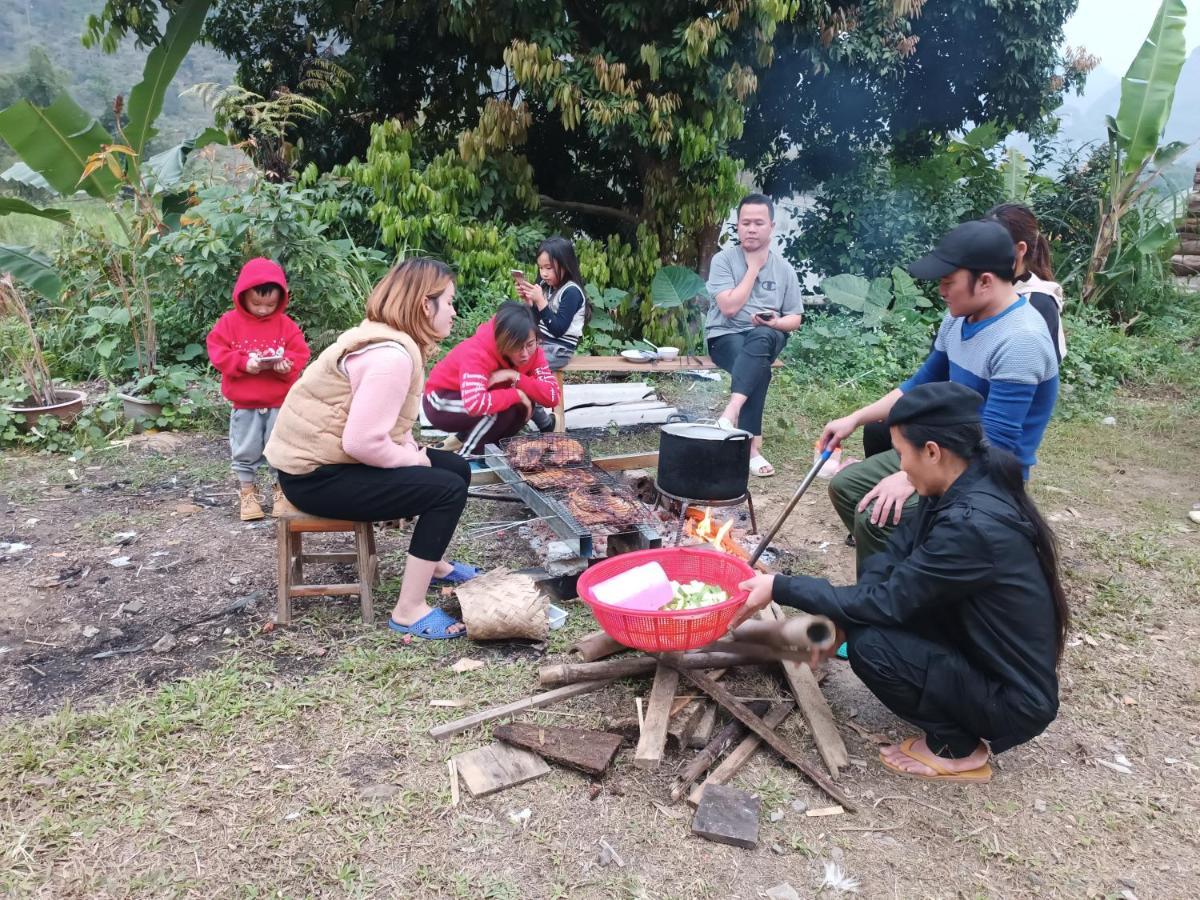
x: 591, y: 209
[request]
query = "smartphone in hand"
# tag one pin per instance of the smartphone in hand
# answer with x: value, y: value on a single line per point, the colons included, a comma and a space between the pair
x: 518, y: 276
x: 767, y: 316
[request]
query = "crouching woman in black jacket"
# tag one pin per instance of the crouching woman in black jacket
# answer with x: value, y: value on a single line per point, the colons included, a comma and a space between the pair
x: 957, y: 626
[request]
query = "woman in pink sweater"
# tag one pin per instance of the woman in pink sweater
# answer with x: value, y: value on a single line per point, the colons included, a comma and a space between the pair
x: 343, y: 442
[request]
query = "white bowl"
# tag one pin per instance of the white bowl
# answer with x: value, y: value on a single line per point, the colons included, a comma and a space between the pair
x: 668, y: 352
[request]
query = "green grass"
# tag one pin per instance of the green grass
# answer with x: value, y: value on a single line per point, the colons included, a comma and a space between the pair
x: 45, y: 235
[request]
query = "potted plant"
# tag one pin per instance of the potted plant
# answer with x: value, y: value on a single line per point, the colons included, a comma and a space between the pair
x: 20, y: 345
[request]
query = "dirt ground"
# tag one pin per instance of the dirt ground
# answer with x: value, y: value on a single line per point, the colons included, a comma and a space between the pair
x: 162, y: 740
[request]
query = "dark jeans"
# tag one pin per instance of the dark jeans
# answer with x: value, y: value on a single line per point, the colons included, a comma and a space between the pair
x: 747, y: 357
x: 435, y: 496
x: 446, y: 412
x: 923, y: 679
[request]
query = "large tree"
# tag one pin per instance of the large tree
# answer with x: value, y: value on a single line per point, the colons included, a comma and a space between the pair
x: 903, y: 80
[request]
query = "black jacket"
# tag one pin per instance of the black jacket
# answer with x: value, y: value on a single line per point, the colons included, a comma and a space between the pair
x: 963, y: 568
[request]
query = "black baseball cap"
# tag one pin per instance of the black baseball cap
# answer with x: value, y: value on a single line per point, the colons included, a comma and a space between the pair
x: 937, y: 403
x: 981, y: 245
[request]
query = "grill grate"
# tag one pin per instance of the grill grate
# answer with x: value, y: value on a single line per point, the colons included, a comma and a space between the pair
x: 538, y: 452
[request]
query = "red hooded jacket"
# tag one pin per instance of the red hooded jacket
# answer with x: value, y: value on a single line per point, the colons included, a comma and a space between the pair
x: 467, y: 368
x: 239, y: 334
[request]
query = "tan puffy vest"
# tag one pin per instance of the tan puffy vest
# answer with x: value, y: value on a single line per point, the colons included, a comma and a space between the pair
x: 308, y: 431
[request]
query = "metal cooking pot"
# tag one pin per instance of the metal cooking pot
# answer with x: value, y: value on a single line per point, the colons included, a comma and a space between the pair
x: 701, y: 461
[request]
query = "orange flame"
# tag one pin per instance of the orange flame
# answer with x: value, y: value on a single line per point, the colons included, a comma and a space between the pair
x: 704, y: 528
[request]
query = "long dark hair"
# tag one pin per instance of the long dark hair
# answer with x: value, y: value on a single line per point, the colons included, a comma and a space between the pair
x: 968, y: 442
x: 513, y: 325
x: 1023, y: 226
x: 562, y: 256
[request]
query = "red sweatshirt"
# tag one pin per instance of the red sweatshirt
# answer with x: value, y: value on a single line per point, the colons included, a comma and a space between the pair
x: 239, y: 334
x: 467, y: 368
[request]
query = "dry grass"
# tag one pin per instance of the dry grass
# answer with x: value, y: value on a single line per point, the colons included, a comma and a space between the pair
x: 295, y: 763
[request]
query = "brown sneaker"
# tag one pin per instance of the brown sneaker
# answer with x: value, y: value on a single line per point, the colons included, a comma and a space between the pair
x: 251, y: 505
x: 281, y: 505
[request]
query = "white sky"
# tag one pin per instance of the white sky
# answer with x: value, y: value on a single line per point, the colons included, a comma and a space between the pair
x: 1115, y: 29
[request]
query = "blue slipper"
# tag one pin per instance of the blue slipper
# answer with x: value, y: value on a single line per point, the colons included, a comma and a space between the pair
x: 460, y: 573
x: 433, y: 626
x: 842, y: 652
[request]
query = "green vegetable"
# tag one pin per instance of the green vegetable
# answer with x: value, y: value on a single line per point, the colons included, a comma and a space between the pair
x: 695, y: 595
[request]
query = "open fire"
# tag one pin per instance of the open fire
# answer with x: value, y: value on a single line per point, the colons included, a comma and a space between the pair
x: 703, y: 527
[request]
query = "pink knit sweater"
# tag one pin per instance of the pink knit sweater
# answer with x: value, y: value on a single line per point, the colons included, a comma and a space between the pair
x: 379, y: 378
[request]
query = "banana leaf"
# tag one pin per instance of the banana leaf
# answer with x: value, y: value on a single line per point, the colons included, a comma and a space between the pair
x: 56, y: 142
x: 15, y: 205
x: 146, y: 99
x: 31, y: 269
x: 1148, y: 88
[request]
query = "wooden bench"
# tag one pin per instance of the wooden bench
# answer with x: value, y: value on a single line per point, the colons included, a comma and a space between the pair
x: 625, y: 366
x: 291, y: 529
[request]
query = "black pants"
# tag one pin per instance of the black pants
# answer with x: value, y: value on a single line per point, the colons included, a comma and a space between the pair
x: 929, y: 683
x: 435, y: 496
x: 446, y: 412
x: 747, y: 357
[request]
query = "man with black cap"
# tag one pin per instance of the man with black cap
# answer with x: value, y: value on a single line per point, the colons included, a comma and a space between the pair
x: 958, y: 625
x: 991, y: 341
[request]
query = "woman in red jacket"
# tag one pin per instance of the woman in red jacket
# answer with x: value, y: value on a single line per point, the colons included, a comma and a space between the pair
x: 484, y: 390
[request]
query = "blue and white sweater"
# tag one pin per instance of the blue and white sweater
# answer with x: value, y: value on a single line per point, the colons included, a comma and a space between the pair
x: 561, y: 321
x: 1010, y: 360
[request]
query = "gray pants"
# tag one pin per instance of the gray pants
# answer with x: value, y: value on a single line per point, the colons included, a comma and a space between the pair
x: 249, y: 430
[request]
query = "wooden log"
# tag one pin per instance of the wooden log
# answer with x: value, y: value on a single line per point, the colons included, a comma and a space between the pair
x: 802, y: 632
x: 568, y: 673
x: 1185, y: 265
x: 704, y: 730
x: 1189, y: 247
x: 817, y: 714
x: 546, y: 698
x: 714, y: 748
x: 741, y: 754
x: 684, y: 723
x: 577, y: 748
x: 758, y: 726
x: 653, y: 741
x: 597, y: 645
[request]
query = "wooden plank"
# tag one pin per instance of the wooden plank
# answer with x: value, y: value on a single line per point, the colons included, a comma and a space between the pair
x: 704, y: 728
x: 713, y: 749
x: 498, y: 766
x: 759, y: 727
x: 578, y: 748
x: 817, y: 714
x: 681, y: 363
x: 650, y: 746
x: 684, y: 722
x: 728, y: 816
x: 576, y: 395
x: 740, y: 755
x: 537, y: 701
x: 620, y: 415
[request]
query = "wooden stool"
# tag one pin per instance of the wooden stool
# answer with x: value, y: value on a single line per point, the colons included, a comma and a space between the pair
x: 291, y: 530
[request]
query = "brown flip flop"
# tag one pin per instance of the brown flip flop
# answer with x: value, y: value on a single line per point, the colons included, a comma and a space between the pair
x: 981, y: 775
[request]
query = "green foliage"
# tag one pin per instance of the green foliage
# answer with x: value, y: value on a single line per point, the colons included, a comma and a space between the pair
x: 188, y: 396
x: 56, y: 141
x: 30, y: 268
x: 887, y: 212
x: 93, y: 428
x: 880, y: 300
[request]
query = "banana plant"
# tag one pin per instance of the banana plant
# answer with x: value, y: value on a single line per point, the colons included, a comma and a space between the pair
x: 1147, y: 94
x: 59, y: 141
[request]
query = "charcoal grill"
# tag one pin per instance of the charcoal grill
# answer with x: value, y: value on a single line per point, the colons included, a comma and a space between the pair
x: 550, y: 503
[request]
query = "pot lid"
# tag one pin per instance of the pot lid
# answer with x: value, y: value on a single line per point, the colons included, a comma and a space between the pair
x: 703, y: 431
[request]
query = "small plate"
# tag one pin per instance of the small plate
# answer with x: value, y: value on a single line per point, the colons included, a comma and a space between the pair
x: 639, y: 356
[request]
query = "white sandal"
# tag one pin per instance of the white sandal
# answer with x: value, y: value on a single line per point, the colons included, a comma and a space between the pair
x: 760, y: 466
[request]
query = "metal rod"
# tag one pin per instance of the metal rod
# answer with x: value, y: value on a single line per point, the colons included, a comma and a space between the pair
x: 808, y: 479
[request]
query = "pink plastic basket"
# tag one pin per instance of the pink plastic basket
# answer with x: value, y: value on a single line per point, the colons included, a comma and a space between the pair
x: 666, y: 630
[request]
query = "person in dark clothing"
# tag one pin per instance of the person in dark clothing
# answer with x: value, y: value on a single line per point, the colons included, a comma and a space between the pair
x: 958, y: 624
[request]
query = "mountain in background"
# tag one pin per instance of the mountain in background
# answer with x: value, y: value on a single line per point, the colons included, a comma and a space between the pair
x: 94, y: 78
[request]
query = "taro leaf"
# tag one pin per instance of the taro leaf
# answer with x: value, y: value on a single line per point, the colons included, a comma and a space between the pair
x: 849, y: 291
x: 16, y: 205
x: 674, y: 286
x: 190, y: 352
x: 146, y: 99
x: 56, y: 142
x: 907, y: 294
x: 879, y: 297
x: 31, y: 269
x: 1148, y: 88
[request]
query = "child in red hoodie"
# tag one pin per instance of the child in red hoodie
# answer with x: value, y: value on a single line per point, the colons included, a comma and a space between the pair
x: 484, y: 389
x: 260, y: 353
